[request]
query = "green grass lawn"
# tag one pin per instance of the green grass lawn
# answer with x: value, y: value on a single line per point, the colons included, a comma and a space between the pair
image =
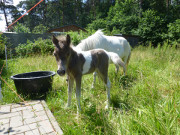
x: 145, y: 101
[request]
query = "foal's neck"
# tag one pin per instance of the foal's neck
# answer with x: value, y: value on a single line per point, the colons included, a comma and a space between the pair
x: 74, y: 63
x: 73, y: 56
x: 73, y: 53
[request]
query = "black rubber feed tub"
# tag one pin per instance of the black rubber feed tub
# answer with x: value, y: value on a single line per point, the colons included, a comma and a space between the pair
x: 33, y: 83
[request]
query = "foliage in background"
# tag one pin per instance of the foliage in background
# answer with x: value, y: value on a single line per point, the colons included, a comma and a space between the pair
x: 39, y: 47
x: 2, y: 46
x: 45, y: 46
x: 40, y: 29
x: 97, y: 24
x: 76, y: 37
x: 174, y: 31
x: 151, y: 27
x: 57, y: 13
x: 149, y: 19
x: 3, y: 42
x: 123, y: 16
x: 20, y: 28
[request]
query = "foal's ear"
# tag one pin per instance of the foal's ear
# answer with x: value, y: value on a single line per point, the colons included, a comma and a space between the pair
x: 55, y: 40
x: 68, y: 39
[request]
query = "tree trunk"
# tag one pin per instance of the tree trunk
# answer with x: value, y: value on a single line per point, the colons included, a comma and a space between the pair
x: 44, y: 12
x: 167, y: 4
x: 140, y: 6
x: 5, y: 15
x: 63, y: 12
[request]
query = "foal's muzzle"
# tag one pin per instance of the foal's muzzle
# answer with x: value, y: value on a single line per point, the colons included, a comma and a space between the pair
x: 61, y: 72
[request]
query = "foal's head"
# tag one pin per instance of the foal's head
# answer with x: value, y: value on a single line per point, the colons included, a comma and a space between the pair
x: 62, y: 53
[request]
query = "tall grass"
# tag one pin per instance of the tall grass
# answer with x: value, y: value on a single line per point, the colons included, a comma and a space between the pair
x: 146, y: 101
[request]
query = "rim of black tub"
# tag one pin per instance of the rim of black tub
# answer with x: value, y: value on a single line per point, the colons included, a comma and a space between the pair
x: 33, y: 75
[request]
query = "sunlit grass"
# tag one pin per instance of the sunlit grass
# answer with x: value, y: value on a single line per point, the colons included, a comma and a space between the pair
x: 146, y: 101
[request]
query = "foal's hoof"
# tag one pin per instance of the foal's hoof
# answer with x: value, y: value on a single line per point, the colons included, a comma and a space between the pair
x: 107, y: 105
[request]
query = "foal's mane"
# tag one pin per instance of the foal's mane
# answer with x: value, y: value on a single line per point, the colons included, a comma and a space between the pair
x: 91, y: 41
x: 61, y: 37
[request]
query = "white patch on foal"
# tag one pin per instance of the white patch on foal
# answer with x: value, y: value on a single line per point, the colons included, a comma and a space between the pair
x: 87, y: 64
x: 88, y: 59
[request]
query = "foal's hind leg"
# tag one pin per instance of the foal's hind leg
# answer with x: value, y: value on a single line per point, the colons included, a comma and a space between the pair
x: 105, y: 79
x: 108, y: 86
x: 94, y: 80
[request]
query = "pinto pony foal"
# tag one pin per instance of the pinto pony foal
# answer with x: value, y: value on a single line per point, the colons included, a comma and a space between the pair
x: 76, y: 64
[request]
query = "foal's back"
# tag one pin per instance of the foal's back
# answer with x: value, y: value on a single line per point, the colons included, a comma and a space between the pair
x: 95, y: 60
x: 100, y: 63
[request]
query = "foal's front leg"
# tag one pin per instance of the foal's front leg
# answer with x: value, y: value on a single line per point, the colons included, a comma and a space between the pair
x: 70, y: 87
x: 78, y: 92
x: 108, y: 87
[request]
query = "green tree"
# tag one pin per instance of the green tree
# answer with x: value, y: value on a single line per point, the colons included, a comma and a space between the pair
x: 151, y: 26
x: 174, y: 31
x: 123, y: 16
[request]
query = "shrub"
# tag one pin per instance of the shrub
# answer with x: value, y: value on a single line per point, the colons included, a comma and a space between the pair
x: 77, y: 37
x: 39, y: 46
x: 151, y: 27
x: 20, y: 28
x: 44, y: 47
x: 40, y: 29
x: 174, y: 31
x: 3, y: 42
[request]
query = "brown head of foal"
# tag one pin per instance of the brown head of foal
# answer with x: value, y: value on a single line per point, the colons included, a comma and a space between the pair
x: 62, y: 53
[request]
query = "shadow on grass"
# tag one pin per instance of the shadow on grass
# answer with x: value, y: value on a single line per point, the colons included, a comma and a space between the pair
x: 118, y: 103
x: 33, y: 96
x: 43, y: 95
x: 119, y: 98
x: 126, y: 81
x: 97, y: 121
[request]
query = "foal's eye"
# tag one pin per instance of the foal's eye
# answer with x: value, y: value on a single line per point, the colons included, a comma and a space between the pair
x: 63, y: 58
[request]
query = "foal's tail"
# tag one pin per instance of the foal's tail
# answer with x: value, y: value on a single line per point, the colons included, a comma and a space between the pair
x: 114, y: 57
